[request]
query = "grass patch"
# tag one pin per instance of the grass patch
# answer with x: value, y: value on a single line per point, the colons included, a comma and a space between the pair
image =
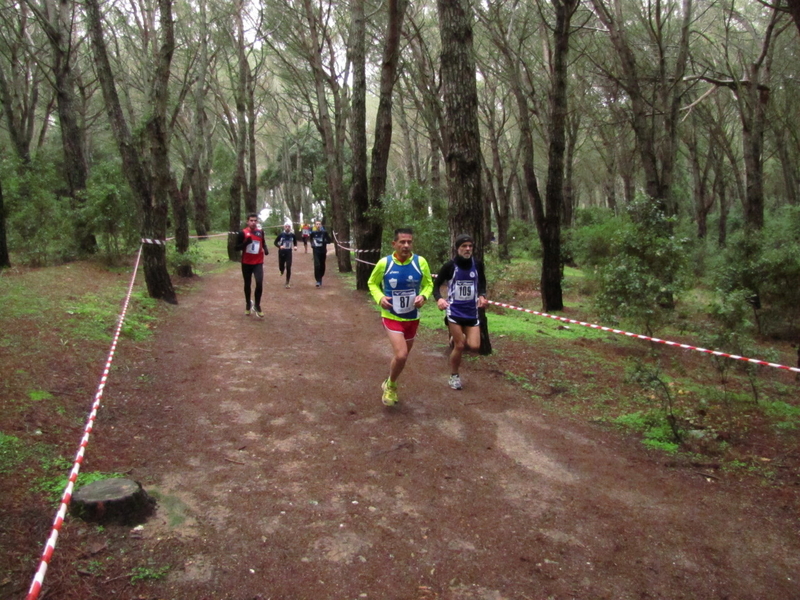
x: 148, y: 573
x: 656, y: 432
x: 13, y: 453
x: 52, y: 486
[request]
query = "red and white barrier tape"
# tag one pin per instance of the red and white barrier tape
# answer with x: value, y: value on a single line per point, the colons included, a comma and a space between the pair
x: 648, y: 338
x: 625, y: 333
x: 354, y: 250
x: 50, y: 546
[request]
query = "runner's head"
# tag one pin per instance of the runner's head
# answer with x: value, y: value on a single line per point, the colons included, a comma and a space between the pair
x: 403, y: 243
x: 464, y: 246
x: 318, y: 225
x: 287, y: 227
x: 252, y: 221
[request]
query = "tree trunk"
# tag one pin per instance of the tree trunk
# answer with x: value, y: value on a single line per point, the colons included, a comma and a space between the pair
x: 654, y: 97
x: 720, y: 191
x: 58, y: 23
x: 153, y: 206
x: 359, y: 191
x: 788, y: 166
x: 5, y: 259
x: 550, y: 230
x: 331, y: 138
x: 199, y: 164
x: 180, y: 215
x: 251, y: 194
x: 463, y: 151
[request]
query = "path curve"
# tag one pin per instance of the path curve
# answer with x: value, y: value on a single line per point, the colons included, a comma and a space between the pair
x: 280, y: 474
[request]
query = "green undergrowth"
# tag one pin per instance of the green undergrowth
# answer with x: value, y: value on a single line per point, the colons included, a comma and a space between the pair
x: 53, y: 483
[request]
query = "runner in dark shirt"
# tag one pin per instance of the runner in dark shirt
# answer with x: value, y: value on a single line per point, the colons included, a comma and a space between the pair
x: 466, y: 293
x: 286, y: 242
x: 319, y: 246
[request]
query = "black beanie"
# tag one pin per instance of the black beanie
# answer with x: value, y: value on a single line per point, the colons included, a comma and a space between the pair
x: 463, y: 239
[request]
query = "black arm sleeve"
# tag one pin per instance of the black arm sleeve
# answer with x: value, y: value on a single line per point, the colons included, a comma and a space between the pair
x: 444, y: 275
x: 481, y: 279
x: 239, y: 243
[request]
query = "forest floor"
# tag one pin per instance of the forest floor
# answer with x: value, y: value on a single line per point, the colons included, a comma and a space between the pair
x: 280, y: 475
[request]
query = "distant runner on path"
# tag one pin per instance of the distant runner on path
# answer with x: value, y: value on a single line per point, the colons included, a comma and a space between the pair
x: 250, y: 242
x: 285, y: 242
x: 305, y: 232
x: 400, y: 283
x: 466, y: 293
x: 319, y: 246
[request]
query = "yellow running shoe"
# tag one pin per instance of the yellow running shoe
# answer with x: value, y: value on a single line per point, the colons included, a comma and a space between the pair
x: 389, y: 393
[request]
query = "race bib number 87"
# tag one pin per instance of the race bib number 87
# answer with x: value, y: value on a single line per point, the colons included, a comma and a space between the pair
x: 403, y: 301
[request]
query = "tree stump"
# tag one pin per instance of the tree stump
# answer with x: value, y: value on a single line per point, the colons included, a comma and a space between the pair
x: 115, y: 500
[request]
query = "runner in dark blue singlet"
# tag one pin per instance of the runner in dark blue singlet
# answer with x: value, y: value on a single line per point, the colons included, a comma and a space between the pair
x: 466, y: 293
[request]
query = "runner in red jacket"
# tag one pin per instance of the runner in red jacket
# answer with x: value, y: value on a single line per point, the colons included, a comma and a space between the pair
x: 250, y: 241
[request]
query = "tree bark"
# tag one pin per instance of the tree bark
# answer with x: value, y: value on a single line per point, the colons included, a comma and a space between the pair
x: 153, y: 203
x: 180, y: 214
x: 654, y: 97
x: 5, y: 259
x: 359, y: 189
x: 332, y: 137
x: 57, y: 22
x: 463, y: 151
x: 550, y: 229
x: 201, y: 146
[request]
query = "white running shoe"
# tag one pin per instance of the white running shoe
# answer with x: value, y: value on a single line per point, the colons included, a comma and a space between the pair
x: 455, y: 382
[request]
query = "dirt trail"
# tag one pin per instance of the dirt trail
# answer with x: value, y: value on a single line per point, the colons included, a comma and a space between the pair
x: 281, y: 475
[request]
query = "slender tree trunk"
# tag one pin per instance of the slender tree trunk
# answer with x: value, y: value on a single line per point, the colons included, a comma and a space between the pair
x: 251, y: 195
x: 788, y: 166
x: 200, y: 148
x: 5, y: 259
x: 331, y: 136
x: 180, y: 214
x: 720, y: 191
x: 463, y: 151
x: 570, y: 201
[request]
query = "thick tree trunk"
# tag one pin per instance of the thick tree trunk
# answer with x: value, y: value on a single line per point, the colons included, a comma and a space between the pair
x: 58, y: 25
x: 550, y: 231
x: 153, y: 205
x: 359, y: 191
x: 463, y: 151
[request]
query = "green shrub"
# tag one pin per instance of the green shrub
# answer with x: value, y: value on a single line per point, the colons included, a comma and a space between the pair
x: 110, y: 211
x: 431, y: 237
x: 760, y: 270
x: 646, y: 269
x: 590, y: 242
x: 523, y: 240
